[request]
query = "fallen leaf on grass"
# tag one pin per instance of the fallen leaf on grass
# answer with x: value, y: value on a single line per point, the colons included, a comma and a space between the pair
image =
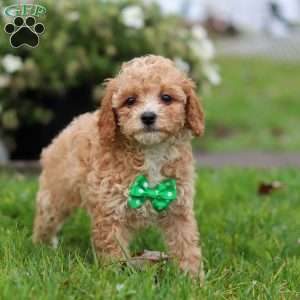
x: 221, y: 131
x: 146, y: 257
x: 151, y: 256
x: 266, y: 188
x: 277, y: 132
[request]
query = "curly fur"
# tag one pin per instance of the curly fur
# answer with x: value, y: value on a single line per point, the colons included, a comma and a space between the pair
x: 94, y: 160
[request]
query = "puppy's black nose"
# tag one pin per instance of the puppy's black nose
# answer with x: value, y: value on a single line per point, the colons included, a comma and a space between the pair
x: 148, y: 118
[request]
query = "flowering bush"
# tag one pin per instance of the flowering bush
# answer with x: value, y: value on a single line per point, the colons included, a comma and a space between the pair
x: 84, y: 43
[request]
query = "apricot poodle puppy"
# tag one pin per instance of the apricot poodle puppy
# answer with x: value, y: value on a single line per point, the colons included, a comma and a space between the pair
x: 129, y: 164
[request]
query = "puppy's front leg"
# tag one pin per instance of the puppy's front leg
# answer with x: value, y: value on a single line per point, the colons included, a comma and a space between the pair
x: 182, y: 238
x: 110, y: 236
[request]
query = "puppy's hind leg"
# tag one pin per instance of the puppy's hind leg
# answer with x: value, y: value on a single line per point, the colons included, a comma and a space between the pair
x: 50, y: 216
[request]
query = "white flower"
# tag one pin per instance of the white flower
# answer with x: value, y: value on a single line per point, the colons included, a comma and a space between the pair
x: 133, y: 16
x: 204, y: 49
x: 12, y: 63
x: 73, y: 16
x: 120, y: 286
x: 212, y: 74
x: 199, y: 32
x: 182, y: 65
x: 4, y: 81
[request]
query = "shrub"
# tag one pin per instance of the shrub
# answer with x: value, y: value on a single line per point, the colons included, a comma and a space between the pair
x: 41, y: 89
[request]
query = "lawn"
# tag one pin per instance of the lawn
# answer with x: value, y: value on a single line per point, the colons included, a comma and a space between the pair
x: 256, y: 107
x: 251, y: 246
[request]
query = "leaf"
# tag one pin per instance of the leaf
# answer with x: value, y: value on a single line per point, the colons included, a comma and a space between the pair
x: 277, y: 131
x: 222, y: 131
x: 153, y: 256
x: 148, y: 257
x: 266, y: 188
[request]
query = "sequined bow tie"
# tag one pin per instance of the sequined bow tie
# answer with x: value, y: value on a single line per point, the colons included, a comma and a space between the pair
x: 160, y: 196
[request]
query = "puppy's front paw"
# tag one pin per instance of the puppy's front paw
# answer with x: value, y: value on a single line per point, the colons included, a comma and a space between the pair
x: 54, y: 242
x: 194, y: 268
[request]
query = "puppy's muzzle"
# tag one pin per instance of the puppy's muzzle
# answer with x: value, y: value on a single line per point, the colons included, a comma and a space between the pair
x: 148, y: 118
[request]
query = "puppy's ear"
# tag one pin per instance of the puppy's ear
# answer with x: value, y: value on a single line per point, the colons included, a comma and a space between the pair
x: 107, y: 122
x: 194, y: 112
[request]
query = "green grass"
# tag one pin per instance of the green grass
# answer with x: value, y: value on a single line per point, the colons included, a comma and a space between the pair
x: 256, y: 107
x: 250, y: 245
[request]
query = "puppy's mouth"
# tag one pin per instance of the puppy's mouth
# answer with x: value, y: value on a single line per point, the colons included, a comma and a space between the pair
x: 150, y: 129
x: 150, y: 136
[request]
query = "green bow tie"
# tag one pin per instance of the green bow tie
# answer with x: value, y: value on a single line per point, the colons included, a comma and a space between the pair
x: 160, y: 196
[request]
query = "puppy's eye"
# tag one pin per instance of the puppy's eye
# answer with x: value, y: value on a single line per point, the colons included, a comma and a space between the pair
x: 166, y: 98
x: 130, y: 101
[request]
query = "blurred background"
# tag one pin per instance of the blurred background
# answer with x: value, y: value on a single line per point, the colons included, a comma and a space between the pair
x: 244, y: 56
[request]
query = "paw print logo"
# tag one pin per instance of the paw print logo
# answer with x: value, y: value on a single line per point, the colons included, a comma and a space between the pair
x: 24, y: 32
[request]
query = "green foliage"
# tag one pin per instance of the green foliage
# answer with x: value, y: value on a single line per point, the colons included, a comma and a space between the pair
x: 84, y: 43
x: 250, y: 245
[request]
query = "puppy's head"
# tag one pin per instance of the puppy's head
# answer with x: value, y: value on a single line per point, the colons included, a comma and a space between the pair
x: 149, y: 101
